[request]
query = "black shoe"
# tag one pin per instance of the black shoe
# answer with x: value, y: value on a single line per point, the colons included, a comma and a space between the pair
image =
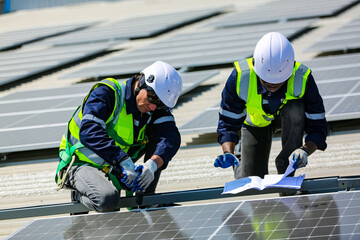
x: 287, y: 194
x: 78, y: 213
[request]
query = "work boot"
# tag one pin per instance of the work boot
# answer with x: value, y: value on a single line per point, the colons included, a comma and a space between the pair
x: 287, y: 194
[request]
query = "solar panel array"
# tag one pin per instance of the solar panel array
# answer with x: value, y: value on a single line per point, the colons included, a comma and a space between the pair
x: 35, y: 120
x: 139, y: 27
x: 200, y: 48
x: 320, y: 216
x: 22, y: 63
x: 338, y: 80
x: 17, y: 38
x: 344, y: 39
x: 283, y: 10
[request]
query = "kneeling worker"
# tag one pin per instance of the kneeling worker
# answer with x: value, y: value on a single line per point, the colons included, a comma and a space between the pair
x: 263, y: 94
x: 117, y: 123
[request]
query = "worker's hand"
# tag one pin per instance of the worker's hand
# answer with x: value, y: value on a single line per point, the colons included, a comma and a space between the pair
x: 300, y: 158
x: 146, y: 175
x: 226, y: 160
x: 128, y: 172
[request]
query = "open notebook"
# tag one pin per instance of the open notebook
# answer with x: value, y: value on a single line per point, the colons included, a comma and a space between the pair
x: 255, y: 182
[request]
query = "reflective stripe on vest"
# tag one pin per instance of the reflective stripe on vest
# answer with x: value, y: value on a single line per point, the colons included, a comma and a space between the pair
x: 164, y: 119
x: 119, y: 125
x: 247, y: 89
x: 315, y: 116
x: 231, y: 114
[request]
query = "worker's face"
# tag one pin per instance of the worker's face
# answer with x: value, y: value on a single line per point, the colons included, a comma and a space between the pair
x: 142, y: 102
x: 271, y: 87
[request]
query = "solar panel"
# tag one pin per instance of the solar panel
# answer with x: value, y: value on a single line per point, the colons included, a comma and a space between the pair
x: 33, y: 120
x: 344, y: 38
x: 19, y: 64
x: 17, y: 38
x: 46, y: 94
x: 320, y: 216
x: 196, y: 49
x: 205, y: 122
x: 338, y: 81
x: 139, y: 27
x: 283, y: 10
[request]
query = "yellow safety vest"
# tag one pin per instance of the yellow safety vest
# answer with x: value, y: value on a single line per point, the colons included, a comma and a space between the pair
x: 247, y: 89
x: 119, y: 127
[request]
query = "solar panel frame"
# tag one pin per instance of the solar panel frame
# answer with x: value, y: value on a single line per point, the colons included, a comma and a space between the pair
x: 326, y: 215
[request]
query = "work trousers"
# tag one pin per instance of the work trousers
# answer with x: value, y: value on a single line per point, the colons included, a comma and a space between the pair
x: 93, y: 188
x: 255, y: 143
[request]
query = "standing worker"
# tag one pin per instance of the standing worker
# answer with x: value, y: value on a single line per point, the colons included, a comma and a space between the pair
x: 263, y: 94
x: 116, y: 124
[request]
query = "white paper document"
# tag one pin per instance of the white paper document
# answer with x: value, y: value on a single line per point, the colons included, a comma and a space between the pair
x: 255, y: 182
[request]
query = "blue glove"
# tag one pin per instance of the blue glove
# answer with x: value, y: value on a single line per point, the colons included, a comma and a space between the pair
x: 146, y: 175
x: 300, y: 158
x: 226, y: 160
x: 128, y: 172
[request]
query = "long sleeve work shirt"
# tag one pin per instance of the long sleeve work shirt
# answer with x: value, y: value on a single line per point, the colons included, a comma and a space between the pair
x: 101, y: 103
x: 316, y: 129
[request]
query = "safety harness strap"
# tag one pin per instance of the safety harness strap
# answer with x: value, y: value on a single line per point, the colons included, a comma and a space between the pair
x: 66, y: 155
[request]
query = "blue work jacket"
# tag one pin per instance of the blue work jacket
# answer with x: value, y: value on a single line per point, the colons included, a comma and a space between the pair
x: 315, y: 129
x: 101, y: 103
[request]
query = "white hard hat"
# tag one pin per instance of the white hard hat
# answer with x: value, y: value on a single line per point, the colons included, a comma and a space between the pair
x: 274, y: 58
x: 165, y: 81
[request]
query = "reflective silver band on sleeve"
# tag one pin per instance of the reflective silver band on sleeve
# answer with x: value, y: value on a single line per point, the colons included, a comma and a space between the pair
x: 164, y: 119
x: 315, y: 116
x: 95, y: 119
x: 231, y: 114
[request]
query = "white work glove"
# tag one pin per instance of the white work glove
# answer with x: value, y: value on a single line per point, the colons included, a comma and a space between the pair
x: 146, y: 175
x: 300, y: 158
x: 128, y: 171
